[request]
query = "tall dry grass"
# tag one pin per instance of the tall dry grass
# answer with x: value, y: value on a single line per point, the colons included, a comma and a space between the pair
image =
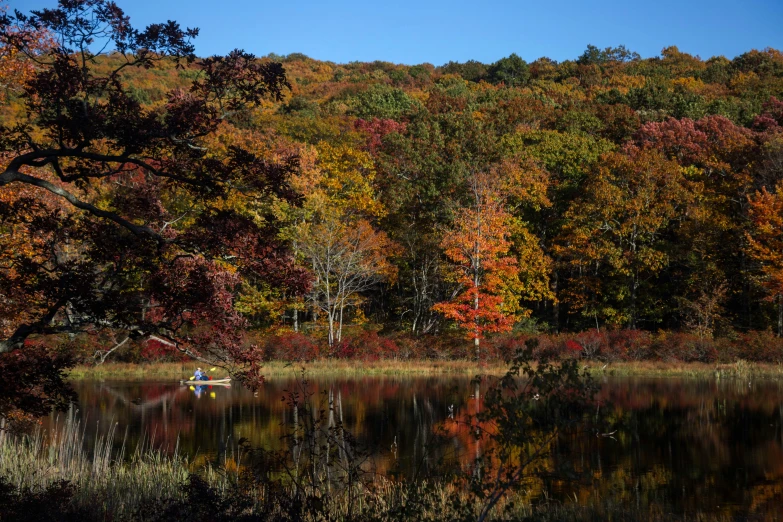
x: 114, y: 482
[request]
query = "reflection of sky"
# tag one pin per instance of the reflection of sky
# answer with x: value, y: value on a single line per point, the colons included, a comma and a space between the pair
x: 720, y: 443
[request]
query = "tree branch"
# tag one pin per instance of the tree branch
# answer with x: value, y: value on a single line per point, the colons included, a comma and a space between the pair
x: 11, y: 176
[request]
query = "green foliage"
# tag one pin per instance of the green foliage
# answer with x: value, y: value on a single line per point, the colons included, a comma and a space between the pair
x: 595, y: 56
x: 381, y: 101
x: 471, y: 70
x: 512, y: 71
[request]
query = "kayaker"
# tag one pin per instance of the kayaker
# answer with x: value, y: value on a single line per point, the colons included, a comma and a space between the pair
x: 199, y: 375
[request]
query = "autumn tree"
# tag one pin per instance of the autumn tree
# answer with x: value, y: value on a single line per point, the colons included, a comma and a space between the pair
x: 17, y: 62
x: 128, y: 201
x: 720, y: 161
x: 333, y: 232
x: 613, y: 237
x: 422, y: 172
x: 765, y: 241
x: 348, y: 257
x: 478, y: 245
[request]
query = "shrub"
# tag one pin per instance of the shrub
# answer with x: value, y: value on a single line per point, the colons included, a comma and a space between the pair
x: 628, y: 345
x: 368, y: 346
x: 50, y: 503
x: 291, y: 346
x: 593, y: 343
x: 507, y: 347
x: 685, y: 347
x: 758, y: 346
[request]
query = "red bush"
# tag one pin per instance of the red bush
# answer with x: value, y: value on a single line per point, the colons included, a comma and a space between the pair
x: 758, y: 346
x: 368, y: 346
x: 292, y: 346
x: 685, y: 347
x: 156, y: 351
x: 628, y: 345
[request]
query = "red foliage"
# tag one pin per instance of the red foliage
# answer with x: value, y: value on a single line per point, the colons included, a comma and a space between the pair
x: 376, y: 129
x: 685, y: 347
x: 758, y: 346
x: 772, y: 117
x: 291, y: 347
x: 628, y: 345
x: 156, y: 351
x: 713, y: 142
x: 367, y: 346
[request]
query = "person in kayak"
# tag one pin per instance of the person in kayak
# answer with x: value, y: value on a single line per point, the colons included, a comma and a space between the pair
x: 199, y: 375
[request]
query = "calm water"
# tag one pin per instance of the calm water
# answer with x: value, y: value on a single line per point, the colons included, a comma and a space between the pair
x: 687, y: 445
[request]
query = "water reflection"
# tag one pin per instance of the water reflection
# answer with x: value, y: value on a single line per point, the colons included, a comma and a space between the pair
x: 687, y: 445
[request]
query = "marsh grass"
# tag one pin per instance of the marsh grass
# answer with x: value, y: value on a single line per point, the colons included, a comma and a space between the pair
x: 114, y: 482
x: 351, y: 368
x: 277, y: 369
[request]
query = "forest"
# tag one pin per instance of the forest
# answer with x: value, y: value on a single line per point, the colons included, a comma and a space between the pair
x: 239, y: 208
x: 535, y: 222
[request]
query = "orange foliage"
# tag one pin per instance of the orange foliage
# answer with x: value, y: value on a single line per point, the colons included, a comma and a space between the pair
x: 478, y: 245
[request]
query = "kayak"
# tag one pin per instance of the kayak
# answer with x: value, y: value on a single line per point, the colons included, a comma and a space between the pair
x: 214, y: 382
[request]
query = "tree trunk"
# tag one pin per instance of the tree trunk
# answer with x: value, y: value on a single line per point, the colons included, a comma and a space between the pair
x: 476, y: 307
x: 331, y: 330
x: 340, y: 324
x: 556, y: 302
x: 296, y: 320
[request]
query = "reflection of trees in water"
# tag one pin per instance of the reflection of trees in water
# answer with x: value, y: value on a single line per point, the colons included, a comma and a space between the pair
x: 684, y: 444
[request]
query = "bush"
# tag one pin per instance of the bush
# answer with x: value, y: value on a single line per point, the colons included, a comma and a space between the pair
x: 758, y: 346
x: 292, y: 346
x: 593, y: 343
x: 685, y: 347
x: 628, y: 345
x: 368, y: 346
x: 51, y: 503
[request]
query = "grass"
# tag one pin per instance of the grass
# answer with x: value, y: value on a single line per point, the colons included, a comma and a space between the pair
x: 110, y: 481
x: 739, y: 369
x: 351, y: 368
x: 277, y: 369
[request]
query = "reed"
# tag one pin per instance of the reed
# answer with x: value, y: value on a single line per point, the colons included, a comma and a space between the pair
x: 276, y: 369
x: 352, y: 368
x: 114, y: 482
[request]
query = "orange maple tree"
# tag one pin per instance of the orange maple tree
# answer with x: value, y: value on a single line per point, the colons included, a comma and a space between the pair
x: 765, y: 242
x: 479, y: 245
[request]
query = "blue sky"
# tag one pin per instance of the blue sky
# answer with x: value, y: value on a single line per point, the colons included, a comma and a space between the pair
x: 406, y: 31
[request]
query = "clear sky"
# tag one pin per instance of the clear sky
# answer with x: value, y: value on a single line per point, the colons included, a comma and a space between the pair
x: 410, y: 31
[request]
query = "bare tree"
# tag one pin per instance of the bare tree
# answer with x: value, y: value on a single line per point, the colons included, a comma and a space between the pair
x: 348, y: 257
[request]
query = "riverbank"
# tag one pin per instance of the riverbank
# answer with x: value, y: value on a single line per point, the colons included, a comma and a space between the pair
x: 355, y: 368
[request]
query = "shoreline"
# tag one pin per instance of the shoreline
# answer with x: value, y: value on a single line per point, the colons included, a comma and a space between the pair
x: 351, y: 368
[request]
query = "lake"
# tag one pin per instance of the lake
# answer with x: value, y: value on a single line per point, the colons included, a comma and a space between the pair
x: 688, y: 446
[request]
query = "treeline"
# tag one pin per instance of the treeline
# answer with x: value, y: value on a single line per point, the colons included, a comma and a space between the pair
x: 608, y: 191
x: 605, y: 192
